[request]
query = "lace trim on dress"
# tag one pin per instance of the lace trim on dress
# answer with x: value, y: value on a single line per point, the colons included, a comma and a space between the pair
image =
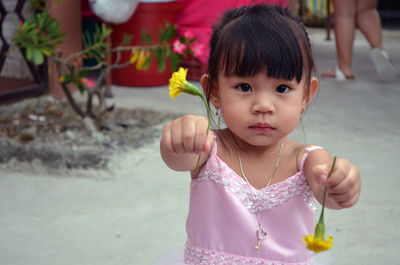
x: 266, y: 198
x: 196, y: 255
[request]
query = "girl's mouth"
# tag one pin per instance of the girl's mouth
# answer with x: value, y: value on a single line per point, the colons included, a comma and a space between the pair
x: 262, y: 127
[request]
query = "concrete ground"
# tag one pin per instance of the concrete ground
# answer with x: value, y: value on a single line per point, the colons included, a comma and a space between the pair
x: 136, y: 211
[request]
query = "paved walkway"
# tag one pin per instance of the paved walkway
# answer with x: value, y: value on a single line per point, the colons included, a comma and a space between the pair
x: 136, y: 211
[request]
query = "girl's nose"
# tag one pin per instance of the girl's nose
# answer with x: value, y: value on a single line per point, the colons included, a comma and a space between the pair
x: 263, y: 104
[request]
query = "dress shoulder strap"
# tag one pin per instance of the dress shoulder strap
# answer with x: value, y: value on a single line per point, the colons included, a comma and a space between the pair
x: 215, y: 148
x: 306, y: 153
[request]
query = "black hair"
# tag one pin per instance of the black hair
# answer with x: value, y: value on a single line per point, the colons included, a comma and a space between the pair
x: 251, y: 39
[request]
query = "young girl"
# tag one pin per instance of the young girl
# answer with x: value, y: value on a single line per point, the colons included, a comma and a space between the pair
x: 252, y: 200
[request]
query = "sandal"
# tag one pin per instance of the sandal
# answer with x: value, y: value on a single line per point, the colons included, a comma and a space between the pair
x: 337, y: 74
x: 382, y: 63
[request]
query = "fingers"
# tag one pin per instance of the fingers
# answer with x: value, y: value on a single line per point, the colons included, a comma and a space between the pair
x: 321, y: 171
x: 187, y: 134
x: 344, y: 184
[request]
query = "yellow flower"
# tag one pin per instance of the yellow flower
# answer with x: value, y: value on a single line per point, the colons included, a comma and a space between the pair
x: 317, y: 244
x: 142, y: 57
x: 134, y: 55
x: 47, y: 52
x: 179, y: 84
x: 61, y: 79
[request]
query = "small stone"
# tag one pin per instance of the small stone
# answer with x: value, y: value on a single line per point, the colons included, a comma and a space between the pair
x: 108, y: 126
x: 70, y: 134
x: 34, y: 117
x: 128, y: 123
x: 26, y: 137
x: 7, y: 150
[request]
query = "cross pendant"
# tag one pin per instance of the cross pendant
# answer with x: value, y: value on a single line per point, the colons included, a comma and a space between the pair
x: 258, y: 244
x: 261, y: 235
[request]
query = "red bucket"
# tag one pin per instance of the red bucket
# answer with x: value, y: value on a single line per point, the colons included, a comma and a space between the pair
x: 148, y: 16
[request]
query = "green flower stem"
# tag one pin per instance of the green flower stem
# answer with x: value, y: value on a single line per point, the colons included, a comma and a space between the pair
x: 209, y: 119
x: 320, y: 227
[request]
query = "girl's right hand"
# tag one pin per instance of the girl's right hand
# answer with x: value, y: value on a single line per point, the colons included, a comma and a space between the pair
x: 183, y: 140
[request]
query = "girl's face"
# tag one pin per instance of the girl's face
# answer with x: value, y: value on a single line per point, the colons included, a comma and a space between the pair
x: 260, y: 110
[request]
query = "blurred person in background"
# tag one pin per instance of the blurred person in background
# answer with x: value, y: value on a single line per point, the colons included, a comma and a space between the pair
x: 348, y: 14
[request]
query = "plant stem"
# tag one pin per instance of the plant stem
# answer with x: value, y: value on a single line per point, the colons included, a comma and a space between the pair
x: 208, y: 127
x: 321, y: 218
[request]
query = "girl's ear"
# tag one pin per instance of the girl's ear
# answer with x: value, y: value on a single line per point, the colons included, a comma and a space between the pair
x: 214, y: 96
x: 312, y: 90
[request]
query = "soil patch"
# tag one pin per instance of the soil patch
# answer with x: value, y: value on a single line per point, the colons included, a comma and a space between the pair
x: 49, y: 131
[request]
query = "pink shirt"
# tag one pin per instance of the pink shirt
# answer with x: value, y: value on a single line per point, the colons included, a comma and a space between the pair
x: 222, y: 224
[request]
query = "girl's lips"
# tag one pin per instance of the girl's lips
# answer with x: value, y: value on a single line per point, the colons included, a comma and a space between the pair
x: 262, y: 127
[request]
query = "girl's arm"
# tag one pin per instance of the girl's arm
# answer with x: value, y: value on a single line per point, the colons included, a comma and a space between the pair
x: 183, y: 140
x: 344, y: 184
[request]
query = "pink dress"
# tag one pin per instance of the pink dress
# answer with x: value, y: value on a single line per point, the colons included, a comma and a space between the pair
x: 221, y: 225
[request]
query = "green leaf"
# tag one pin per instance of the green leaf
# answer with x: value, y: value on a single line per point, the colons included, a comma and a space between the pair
x: 41, y: 20
x: 146, y: 37
x: 174, y: 60
x: 29, y: 53
x: 160, y: 55
x: 169, y: 32
x: 53, y: 26
x: 95, y: 37
x: 161, y: 35
x: 34, y: 37
x: 80, y: 86
x: 126, y: 39
x: 67, y: 79
x: 37, y: 56
x: 191, y: 41
x: 82, y: 73
x: 25, y: 26
x: 146, y: 63
x: 71, y: 69
x: 106, y: 31
x: 86, y: 38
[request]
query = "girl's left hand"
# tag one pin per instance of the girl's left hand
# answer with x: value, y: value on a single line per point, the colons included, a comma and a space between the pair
x: 344, y: 184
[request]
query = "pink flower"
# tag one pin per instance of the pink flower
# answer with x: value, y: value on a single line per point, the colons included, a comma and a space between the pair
x: 88, y: 82
x: 197, y: 49
x: 178, y: 47
x: 188, y: 35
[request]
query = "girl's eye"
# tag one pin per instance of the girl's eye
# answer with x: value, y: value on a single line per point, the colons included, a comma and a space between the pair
x: 245, y: 87
x: 282, y: 89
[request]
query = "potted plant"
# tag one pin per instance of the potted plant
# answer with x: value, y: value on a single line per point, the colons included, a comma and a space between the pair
x: 40, y: 36
x: 148, y: 16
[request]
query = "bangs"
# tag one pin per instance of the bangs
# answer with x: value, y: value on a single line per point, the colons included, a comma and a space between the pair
x: 250, y: 45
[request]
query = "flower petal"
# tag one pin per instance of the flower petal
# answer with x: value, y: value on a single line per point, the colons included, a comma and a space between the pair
x: 316, y: 244
x: 177, y: 83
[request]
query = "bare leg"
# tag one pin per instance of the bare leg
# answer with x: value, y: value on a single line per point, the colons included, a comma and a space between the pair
x: 364, y: 13
x: 369, y: 22
x: 345, y: 23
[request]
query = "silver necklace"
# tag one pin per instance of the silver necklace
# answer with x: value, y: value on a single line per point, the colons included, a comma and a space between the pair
x: 260, y: 233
